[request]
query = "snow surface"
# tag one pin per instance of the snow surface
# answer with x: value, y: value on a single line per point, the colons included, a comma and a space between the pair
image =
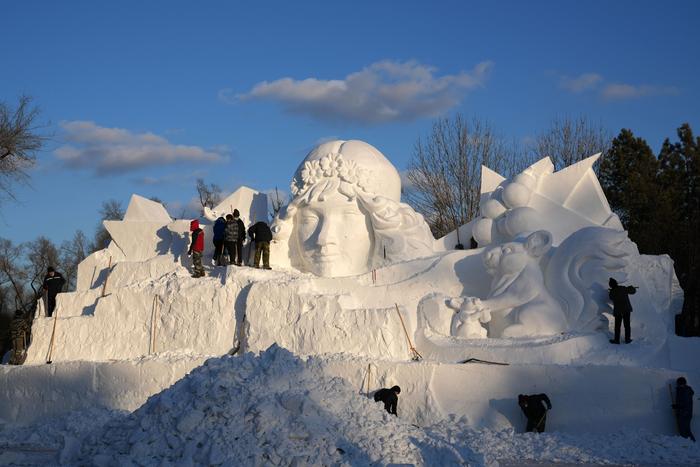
x: 277, y: 409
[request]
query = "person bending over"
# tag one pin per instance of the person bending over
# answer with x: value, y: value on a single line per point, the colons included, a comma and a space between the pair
x: 535, y: 408
x: 390, y: 397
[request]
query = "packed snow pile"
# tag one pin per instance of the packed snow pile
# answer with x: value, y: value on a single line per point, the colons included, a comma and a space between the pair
x: 277, y: 409
x: 272, y: 409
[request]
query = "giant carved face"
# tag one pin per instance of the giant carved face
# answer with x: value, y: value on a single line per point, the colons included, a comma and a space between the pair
x: 345, y: 210
x: 333, y: 237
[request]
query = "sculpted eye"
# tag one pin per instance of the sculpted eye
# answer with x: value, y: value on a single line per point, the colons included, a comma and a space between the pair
x: 308, y: 219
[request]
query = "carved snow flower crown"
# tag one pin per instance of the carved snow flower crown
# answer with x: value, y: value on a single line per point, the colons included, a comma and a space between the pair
x: 332, y: 165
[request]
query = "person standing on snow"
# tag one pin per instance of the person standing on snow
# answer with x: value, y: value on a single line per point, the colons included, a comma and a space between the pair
x: 684, y: 408
x: 53, y: 284
x: 261, y: 234
x: 196, y: 249
x: 218, y: 230
x: 241, y: 237
x: 622, y: 308
x: 535, y: 408
x: 231, y: 238
x: 390, y: 398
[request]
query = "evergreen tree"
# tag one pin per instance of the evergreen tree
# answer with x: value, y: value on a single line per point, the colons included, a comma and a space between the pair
x: 628, y: 177
x: 679, y: 178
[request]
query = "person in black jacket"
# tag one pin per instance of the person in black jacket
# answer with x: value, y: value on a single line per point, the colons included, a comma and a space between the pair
x: 232, y: 235
x: 684, y: 407
x: 53, y: 284
x: 622, y: 308
x: 241, y: 237
x: 261, y: 234
x: 218, y: 239
x: 535, y: 408
x: 390, y: 398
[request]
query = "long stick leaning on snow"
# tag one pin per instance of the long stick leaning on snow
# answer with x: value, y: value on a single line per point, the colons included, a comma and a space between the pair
x: 414, y: 353
x: 157, y: 304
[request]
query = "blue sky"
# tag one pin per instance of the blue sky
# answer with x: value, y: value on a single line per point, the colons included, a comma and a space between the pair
x: 144, y: 97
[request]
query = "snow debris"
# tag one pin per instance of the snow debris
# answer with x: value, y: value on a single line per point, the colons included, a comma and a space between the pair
x: 272, y: 409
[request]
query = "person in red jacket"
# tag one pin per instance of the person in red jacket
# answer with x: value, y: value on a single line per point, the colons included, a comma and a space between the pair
x: 196, y: 249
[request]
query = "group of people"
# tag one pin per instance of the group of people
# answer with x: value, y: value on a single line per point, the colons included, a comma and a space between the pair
x: 228, y: 237
x: 536, y: 406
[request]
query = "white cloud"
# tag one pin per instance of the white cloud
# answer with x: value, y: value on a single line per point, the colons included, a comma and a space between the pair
x: 580, y: 83
x: 116, y: 150
x: 618, y: 91
x: 612, y: 91
x: 385, y: 91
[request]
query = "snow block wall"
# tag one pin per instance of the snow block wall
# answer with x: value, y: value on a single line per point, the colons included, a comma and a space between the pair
x: 32, y: 392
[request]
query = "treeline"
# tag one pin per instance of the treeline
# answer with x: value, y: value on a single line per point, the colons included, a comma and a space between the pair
x: 23, y: 265
x: 657, y: 197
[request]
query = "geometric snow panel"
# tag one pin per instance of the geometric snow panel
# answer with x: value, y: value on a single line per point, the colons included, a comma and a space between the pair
x: 143, y: 209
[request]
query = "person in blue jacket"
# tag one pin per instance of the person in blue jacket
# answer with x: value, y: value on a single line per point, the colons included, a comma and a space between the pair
x: 219, y: 229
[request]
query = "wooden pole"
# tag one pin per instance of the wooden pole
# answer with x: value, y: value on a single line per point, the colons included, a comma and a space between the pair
x: 109, y: 270
x: 369, y: 375
x: 53, y: 336
x: 414, y: 353
x: 154, y: 320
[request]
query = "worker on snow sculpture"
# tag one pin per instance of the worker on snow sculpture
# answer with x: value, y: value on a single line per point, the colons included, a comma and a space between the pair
x: 196, y: 249
x: 261, y: 234
x: 346, y: 217
x: 622, y: 309
x: 234, y: 235
x: 390, y: 398
x: 53, y: 284
x: 684, y: 407
x: 218, y: 233
x: 535, y: 408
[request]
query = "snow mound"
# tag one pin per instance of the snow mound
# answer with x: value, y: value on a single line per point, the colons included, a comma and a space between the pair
x: 269, y: 409
x: 629, y: 447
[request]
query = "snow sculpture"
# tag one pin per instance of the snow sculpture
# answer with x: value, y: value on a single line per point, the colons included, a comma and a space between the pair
x: 346, y: 217
x: 251, y: 204
x: 467, y: 321
x: 571, y: 199
x: 518, y: 288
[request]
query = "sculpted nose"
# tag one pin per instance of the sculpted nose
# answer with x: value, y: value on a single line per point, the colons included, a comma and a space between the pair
x: 327, y: 234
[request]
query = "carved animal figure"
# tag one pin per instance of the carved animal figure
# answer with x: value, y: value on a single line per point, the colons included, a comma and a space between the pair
x: 467, y: 321
x: 518, y: 288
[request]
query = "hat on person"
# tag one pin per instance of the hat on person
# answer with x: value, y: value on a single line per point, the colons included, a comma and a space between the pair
x: 236, y: 213
x: 194, y: 225
x: 50, y: 269
x: 396, y: 389
x: 612, y: 282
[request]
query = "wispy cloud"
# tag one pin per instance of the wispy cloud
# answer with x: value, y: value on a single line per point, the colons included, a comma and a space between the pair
x: 385, y: 91
x: 175, y: 178
x: 594, y: 82
x: 117, y: 150
x: 580, y: 83
x: 617, y: 91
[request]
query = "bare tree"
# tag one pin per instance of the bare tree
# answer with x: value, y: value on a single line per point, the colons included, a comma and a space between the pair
x: 13, y: 276
x: 72, y: 253
x: 444, y: 173
x: 40, y: 254
x: 19, y: 142
x: 209, y: 195
x: 569, y: 140
x: 277, y: 202
x: 112, y: 210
